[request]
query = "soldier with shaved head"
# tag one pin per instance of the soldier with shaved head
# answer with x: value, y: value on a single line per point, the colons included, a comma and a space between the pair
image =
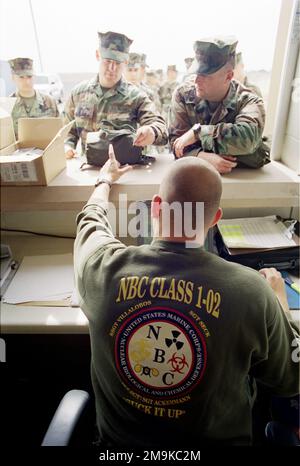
x: 179, y: 336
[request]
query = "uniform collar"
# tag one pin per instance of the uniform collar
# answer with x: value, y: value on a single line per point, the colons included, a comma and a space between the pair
x: 173, y: 246
x: 38, y: 98
x: 121, y: 87
x: 227, y: 103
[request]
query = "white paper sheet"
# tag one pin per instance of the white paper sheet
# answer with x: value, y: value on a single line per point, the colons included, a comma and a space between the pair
x: 258, y: 232
x: 42, y: 278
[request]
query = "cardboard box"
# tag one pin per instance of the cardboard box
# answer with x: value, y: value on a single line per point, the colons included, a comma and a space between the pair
x: 7, y: 134
x: 46, y: 134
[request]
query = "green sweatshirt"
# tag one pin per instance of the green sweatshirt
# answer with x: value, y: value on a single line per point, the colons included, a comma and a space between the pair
x: 178, y: 337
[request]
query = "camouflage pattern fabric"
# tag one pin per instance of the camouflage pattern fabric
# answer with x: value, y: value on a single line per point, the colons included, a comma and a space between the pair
x: 124, y: 105
x: 212, y: 54
x: 165, y: 94
x: 114, y: 46
x: 42, y: 106
x: 135, y: 60
x: 21, y: 66
x: 152, y: 93
x: 234, y: 128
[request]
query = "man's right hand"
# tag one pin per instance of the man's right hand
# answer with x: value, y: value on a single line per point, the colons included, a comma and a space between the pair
x: 224, y: 164
x: 277, y: 284
x: 70, y: 153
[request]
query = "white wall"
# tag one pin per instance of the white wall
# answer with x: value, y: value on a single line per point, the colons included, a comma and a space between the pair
x: 291, y: 143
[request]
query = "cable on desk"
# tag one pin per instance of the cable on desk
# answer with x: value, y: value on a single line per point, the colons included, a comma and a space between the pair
x: 36, y: 233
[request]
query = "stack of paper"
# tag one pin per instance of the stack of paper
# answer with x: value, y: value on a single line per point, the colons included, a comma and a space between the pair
x: 257, y: 233
x: 42, y: 281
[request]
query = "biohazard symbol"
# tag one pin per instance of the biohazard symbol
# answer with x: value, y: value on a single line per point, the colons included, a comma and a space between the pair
x: 178, y: 363
x: 141, y: 350
x: 146, y: 370
x: 170, y: 341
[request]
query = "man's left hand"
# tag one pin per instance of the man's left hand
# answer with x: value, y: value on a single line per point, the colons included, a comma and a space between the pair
x: 111, y: 170
x: 145, y: 136
x: 185, y: 140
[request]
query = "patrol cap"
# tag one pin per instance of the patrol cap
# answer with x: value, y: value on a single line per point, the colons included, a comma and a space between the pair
x: 21, y: 66
x: 238, y: 58
x: 135, y: 60
x: 160, y: 72
x: 114, y: 46
x: 171, y: 68
x: 151, y: 73
x: 143, y: 62
x: 188, y: 61
x: 212, y: 54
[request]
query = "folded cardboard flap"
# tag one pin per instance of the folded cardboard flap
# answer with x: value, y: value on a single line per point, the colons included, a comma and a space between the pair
x: 38, y: 132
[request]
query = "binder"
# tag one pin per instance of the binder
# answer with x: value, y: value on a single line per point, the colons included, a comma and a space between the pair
x: 280, y: 258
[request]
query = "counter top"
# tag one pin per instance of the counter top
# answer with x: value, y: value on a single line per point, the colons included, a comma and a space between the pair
x: 273, y: 185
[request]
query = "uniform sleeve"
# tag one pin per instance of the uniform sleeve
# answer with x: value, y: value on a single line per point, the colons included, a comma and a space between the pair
x: 69, y: 115
x: 179, y: 122
x: 278, y: 367
x: 148, y: 115
x: 93, y: 239
x: 55, y: 109
x: 241, y: 137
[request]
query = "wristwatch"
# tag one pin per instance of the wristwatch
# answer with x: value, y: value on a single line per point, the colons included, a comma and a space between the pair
x: 155, y: 132
x: 197, y: 130
x: 102, y: 180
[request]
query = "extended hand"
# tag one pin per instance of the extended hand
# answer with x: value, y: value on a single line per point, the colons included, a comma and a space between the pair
x: 145, y: 136
x: 224, y: 164
x: 70, y: 153
x: 111, y: 169
x: 277, y: 284
x: 185, y: 140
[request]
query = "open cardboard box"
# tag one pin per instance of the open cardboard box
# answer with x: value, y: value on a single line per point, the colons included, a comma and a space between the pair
x: 47, y: 134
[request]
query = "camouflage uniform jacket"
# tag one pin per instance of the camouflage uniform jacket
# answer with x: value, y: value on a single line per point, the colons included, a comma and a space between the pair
x: 234, y: 128
x: 43, y: 106
x: 152, y: 94
x: 166, y: 91
x: 124, y: 105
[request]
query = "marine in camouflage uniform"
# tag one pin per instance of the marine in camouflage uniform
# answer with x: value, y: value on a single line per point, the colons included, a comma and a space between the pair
x: 166, y: 90
x: 232, y: 127
x: 240, y: 75
x: 123, y: 105
x: 133, y: 74
x: 38, y: 105
x: 188, y: 63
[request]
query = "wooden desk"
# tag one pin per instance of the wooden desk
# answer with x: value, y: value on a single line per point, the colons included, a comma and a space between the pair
x: 271, y: 186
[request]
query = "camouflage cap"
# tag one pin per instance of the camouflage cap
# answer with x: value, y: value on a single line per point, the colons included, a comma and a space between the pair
x: 135, y: 60
x: 21, y: 66
x: 114, y: 46
x: 151, y: 73
x: 212, y: 54
x: 143, y: 62
x: 171, y: 68
x: 160, y: 72
x: 238, y: 58
x: 188, y: 60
